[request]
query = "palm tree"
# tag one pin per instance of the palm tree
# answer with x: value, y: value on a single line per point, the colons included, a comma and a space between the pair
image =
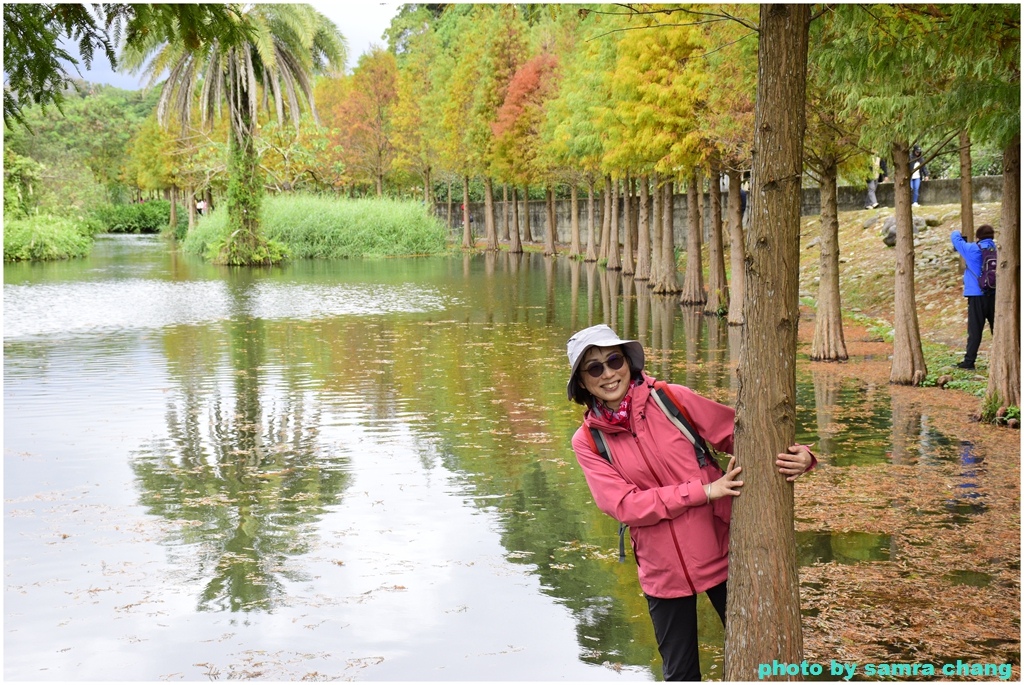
x: 281, y: 47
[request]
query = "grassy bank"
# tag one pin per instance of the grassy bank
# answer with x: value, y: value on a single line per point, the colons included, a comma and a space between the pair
x: 45, y: 237
x: 332, y: 228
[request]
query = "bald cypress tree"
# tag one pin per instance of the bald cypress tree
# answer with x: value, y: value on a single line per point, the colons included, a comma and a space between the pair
x: 763, y: 614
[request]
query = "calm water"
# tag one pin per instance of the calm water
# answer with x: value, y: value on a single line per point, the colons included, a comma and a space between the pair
x: 344, y: 470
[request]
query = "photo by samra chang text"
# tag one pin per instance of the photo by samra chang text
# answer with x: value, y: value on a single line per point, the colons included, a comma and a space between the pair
x: 847, y: 670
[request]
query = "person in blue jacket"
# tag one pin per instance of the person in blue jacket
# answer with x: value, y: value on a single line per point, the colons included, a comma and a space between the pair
x: 981, y: 304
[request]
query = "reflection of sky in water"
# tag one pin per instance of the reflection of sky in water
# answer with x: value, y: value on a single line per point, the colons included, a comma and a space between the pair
x: 89, y: 307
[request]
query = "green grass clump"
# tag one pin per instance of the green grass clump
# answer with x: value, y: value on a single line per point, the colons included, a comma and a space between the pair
x: 152, y: 216
x: 43, y: 237
x: 313, y: 227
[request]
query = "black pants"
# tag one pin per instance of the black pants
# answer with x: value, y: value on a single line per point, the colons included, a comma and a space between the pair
x: 675, y: 627
x: 980, y: 308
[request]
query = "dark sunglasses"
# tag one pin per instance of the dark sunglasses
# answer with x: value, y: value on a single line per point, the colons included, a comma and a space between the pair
x: 596, y: 368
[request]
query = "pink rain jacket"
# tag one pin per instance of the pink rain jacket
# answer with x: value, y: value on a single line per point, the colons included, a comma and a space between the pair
x: 656, y: 487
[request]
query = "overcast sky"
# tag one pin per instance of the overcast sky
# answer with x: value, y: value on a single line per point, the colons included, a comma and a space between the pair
x: 362, y: 24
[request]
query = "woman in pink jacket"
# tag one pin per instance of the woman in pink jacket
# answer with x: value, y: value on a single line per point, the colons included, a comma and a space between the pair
x: 676, y: 510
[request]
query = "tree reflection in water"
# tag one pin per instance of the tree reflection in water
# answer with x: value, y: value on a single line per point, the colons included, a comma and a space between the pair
x: 242, y: 472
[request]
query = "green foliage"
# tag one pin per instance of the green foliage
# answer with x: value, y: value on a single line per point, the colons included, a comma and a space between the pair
x: 153, y: 216
x: 330, y: 228
x: 84, y: 149
x: 44, y: 238
x: 21, y: 177
x: 993, y: 413
x: 33, y: 58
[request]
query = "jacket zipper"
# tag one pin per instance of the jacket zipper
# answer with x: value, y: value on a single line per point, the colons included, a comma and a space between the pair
x: 671, y: 528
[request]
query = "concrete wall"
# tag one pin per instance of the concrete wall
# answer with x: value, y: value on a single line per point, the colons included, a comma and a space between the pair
x: 935, y: 192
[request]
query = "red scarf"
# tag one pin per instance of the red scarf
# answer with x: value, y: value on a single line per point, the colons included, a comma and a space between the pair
x: 619, y: 417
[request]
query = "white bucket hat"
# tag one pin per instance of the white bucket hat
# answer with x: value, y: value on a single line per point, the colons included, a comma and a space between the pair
x: 600, y: 335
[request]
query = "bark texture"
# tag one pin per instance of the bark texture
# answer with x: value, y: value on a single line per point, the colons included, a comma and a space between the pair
x: 606, y: 221
x: 527, y: 231
x: 908, y: 365
x: 516, y: 244
x: 614, y: 262
x: 829, y: 343
x: 693, y: 281
x: 667, y: 281
x: 737, y: 252
x: 549, y: 235
x: 966, y: 190
x: 656, y: 262
x: 643, y: 257
x: 504, y: 212
x: 489, y: 222
x: 1004, y: 365
x: 718, y: 294
x: 467, y: 231
x: 574, y: 225
x: 763, y: 613
x: 591, y: 245
x: 627, y: 228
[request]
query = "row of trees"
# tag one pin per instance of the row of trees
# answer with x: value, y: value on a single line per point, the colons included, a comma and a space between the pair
x: 637, y: 100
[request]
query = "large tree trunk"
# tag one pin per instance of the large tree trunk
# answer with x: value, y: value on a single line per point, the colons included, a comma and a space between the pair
x: 643, y: 257
x: 591, y: 210
x: 527, y: 231
x: 829, y: 344
x: 426, y: 187
x: 658, y: 198
x: 549, y: 236
x: 516, y: 246
x: 489, y: 222
x: 627, y: 228
x: 718, y: 292
x: 606, y: 222
x: 190, y: 194
x: 693, y: 282
x: 1004, y: 365
x: 737, y: 253
x: 614, y: 263
x: 451, y: 204
x: 246, y: 246
x: 763, y: 614
x: 574, y: 224
x: 966, y: 190
x: 172, y: 222
x: 667, y: 283
x: 504, y: 212
x: 908, y: 366
x: 467, y: 231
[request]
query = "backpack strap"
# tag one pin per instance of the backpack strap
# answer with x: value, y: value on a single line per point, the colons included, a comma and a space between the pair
x: 600, y: 445
x: 677, y: 414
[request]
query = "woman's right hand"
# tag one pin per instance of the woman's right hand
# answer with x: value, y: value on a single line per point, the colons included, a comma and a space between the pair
x: 727, y: 485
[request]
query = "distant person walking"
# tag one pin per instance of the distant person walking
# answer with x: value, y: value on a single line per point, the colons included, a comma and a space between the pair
x: 918, y: 171
x: 979, y: 287
x: 876, y: 175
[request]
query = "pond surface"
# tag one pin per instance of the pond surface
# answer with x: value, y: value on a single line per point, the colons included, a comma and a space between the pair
x: 346, y: 470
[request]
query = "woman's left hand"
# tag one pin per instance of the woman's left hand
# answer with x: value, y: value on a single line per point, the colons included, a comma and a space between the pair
x: 795, y: 462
